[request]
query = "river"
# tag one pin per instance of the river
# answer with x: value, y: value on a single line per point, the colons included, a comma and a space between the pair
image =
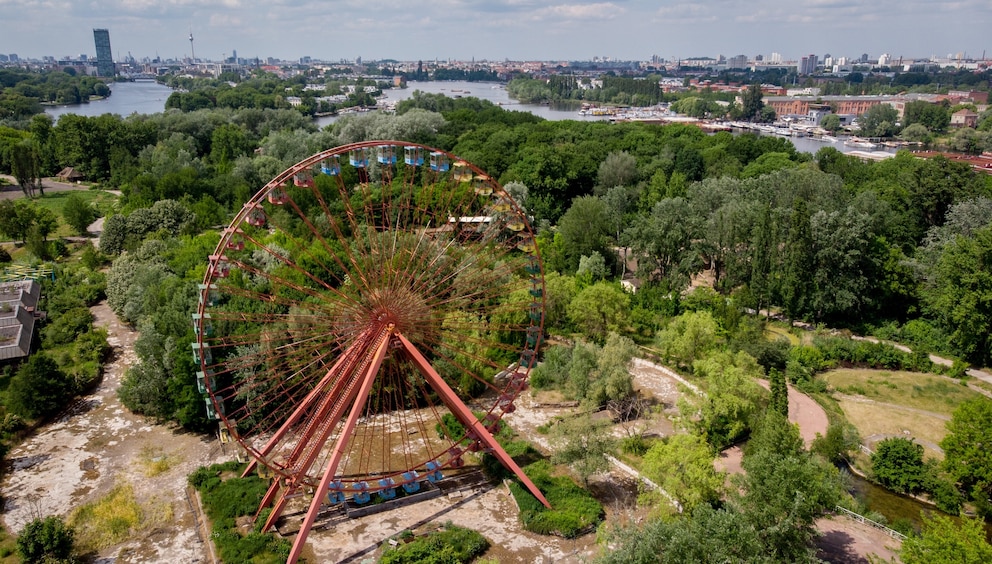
x: 894, y: 506
x: 147, y: 97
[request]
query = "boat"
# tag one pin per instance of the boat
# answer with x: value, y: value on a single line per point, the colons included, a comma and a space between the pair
x: 860, y: 143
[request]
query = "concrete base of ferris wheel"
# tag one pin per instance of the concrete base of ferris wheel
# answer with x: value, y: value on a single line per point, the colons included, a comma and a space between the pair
x: 453, y: 486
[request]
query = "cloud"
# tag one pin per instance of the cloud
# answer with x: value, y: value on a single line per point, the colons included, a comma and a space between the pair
x: 595, y: 11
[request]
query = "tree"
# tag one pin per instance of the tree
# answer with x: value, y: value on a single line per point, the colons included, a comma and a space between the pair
x: 583, y: 444
x: 585, y: 228
x: 797, y: 287
x: 898, y: 465
x: 733, y: 398
x: 688, y: 337
x: 599, y: 309
x: 38, y: 388
x: 968, y: 449
x: 591, y: 268
x: 620, y: 202
x: 943, y: 541
x: 879, y: 121
x: 916, y: 133
x: 959, y: 294
x: 751, y: 103
x: 17, y: 218
x: 114, y: 234
x: 662, y: 241
x: 682, y: 465
x: 779, y: 400
x: 619, y: 169
x: 45, y: 540
x: 78, y: 214
x: 784, y: 490
x: 830, y: 122
x: 935, y: 117
x: 25, y: 165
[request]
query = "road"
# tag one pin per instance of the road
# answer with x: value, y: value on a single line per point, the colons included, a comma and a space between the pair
x: 13, y: 191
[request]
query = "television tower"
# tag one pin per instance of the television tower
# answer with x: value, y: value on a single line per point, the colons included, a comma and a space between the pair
x: 191, y: 51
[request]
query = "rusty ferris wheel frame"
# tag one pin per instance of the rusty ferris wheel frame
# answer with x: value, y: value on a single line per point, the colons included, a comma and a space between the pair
x: 347, y: 309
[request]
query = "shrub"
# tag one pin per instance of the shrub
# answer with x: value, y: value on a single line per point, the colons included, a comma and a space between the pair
x: 898, y: 465
x: 226, y: 500
x: 453, y: 544
x: 45, y: 539
x: 39, y: 388
x: 573, y: 509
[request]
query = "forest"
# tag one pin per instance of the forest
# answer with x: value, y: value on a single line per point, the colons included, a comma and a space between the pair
x: 707, y: 227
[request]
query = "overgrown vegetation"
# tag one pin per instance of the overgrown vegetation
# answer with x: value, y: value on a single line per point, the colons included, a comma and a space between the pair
x: 450, y: 545
x: 111, y: 519
x: 226, y: 498
x: 573, y: 510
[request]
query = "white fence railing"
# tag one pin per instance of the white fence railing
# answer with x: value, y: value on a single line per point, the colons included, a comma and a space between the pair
x: 862, y: 519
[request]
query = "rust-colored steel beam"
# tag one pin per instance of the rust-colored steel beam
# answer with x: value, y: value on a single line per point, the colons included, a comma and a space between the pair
x: 463, y: 413
x: 357, y: 407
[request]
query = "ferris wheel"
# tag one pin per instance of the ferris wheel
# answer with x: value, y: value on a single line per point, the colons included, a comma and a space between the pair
x: 352, y: 308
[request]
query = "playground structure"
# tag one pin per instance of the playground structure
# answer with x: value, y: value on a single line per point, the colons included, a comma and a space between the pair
x: 348, y: 311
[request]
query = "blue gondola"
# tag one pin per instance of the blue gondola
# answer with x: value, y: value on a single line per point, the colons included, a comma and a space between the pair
x: 359, y: 158
x: 387, y: 492
x: 439, y: 162
x: 361, y: 496
x: 386, y: 154
x: 330, y: 166
x: 413, y: 156
x: 335, y: 493
x: 434, y: 471
x: 410, y: 483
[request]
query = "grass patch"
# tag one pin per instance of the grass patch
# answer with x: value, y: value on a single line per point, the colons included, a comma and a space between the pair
x: 155, y: 461
x: 224, y: 500
x: 109, y: 520
x: 8, y: 548
x: 871, y: 419
x: 573, y: 512
x: 55, y: 201
x: 451, y: 544
x: 911, y: 389
x: 774, y: 332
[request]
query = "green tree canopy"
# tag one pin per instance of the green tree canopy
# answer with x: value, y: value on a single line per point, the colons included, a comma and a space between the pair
x: 898, y: 465
x: 942, y: 541
x: 682, y: 465
x: 39, y: 388
x: 968, y: 448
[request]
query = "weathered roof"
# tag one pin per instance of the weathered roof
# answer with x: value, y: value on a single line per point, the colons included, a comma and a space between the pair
x: 18, y: 303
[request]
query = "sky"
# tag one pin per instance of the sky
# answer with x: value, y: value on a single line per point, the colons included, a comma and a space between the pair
x: 498, y: 29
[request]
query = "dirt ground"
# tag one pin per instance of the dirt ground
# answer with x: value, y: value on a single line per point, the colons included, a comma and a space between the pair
x: 844, y: 541
x: 95, y: 445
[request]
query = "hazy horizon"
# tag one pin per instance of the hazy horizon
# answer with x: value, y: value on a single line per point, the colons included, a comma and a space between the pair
x: 498, y: 29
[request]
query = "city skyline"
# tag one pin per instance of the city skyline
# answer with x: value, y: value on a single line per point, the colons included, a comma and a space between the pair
x: 499, y: 29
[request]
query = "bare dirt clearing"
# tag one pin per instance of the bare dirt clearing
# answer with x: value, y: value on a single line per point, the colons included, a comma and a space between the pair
x: 97, y: 444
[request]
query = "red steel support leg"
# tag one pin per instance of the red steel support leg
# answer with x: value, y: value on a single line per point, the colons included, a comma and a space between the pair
x: 357, y: 407
x: 451, y: 399
x: 298, y: 412
x: 330, y: 411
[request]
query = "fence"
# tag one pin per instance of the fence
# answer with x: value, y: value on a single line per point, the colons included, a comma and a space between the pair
x: 876, y: 524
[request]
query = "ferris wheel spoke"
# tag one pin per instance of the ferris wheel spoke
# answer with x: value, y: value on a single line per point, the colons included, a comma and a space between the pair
x: 309, y: 291
x: 331, y: 384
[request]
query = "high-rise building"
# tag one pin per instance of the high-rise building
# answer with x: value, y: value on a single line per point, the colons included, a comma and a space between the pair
x: 807, y: 65
x: 104, y: 56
